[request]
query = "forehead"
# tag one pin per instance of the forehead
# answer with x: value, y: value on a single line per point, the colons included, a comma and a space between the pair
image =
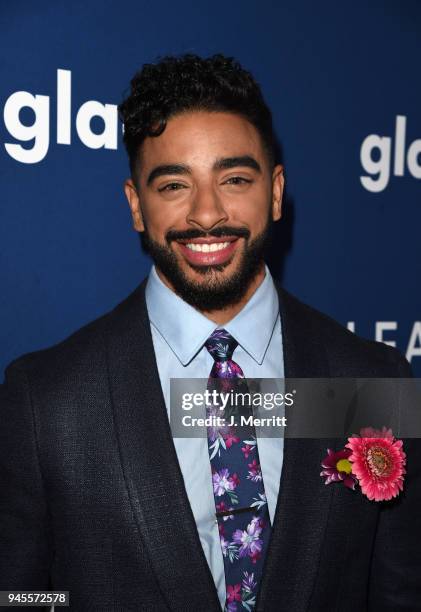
x: 200, y: 137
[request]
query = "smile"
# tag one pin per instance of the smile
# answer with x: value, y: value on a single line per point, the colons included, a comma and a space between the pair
x: 207, y: 252
x: 207, y: 248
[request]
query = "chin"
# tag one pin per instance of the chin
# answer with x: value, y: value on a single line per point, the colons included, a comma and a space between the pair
x: 217, y: 272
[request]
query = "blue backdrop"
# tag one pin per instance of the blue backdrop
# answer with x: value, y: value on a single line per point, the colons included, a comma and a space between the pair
x: 343, y: 83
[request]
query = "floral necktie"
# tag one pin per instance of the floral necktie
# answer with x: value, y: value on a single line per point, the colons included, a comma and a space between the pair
x: 240, y: 500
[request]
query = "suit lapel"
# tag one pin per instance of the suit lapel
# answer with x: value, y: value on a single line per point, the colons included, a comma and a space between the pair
x: 150, y: 465
x: 304, y: 501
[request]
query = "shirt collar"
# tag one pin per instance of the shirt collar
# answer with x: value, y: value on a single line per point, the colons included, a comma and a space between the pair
x: 253, y: 326
x: 185, y: 330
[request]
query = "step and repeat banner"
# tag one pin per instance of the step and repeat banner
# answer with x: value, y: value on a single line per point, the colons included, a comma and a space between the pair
x: 343, y: 84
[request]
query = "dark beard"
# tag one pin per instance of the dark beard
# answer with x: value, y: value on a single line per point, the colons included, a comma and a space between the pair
x: 215, y: 294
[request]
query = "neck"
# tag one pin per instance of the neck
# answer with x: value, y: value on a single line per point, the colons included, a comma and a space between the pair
x: 223, y: 315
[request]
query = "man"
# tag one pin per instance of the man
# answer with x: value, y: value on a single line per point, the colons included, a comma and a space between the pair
x: 97, y: 497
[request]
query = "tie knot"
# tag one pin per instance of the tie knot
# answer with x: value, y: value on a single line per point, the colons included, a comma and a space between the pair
x: 221, y: 345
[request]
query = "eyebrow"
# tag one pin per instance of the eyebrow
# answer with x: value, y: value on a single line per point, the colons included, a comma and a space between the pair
x: 165, y: 169
x: 225, y: 163
x: 247, y: 161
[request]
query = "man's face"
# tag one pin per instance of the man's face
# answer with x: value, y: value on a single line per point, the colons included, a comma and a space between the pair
x: 205, y: 199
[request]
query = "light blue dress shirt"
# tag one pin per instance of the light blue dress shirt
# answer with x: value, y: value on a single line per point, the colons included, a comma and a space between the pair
x: 179, y: 333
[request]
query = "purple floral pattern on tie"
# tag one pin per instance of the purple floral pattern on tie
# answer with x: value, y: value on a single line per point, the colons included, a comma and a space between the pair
x: 237, y: 482
x: 242, y: 593
x: 249, y: 541
x: 221, y: 346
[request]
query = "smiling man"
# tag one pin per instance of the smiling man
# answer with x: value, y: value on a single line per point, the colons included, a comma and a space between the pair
x: 97, y: 497
x: 204, y: 192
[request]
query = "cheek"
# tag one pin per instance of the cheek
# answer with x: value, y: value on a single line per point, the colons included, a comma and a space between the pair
x: 253, y: 213
x: 158, y: 222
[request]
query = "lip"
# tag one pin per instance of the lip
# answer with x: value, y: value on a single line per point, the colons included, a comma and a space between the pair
x: 208, y: 259
x: 207, y: 240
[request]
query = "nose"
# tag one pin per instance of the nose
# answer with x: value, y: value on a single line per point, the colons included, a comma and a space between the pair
x: 207, y: 210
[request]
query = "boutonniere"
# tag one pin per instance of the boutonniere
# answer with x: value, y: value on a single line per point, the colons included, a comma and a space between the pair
x: 374, y: 460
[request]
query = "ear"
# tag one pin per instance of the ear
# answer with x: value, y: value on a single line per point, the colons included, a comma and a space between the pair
x: 277, y: 191
x: 134, y: 203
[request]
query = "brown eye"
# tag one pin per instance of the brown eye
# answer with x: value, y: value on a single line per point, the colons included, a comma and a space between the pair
x: 171, y: 187
x: 237, y: 180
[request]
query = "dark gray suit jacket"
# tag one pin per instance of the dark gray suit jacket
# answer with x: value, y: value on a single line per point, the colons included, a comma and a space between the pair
x: 92, y: 499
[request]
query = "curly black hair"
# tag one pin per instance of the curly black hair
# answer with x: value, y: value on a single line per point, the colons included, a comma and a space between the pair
x: 178, y: 84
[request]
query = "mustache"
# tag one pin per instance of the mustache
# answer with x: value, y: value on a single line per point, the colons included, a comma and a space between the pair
x: 218, y: 232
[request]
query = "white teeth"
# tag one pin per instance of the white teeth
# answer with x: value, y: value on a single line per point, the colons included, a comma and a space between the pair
x: 207, y: 248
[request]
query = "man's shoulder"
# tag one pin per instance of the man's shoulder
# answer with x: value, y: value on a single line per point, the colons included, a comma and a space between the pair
x: 345, y: 350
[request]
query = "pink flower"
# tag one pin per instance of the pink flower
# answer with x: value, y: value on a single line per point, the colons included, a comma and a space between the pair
x: 337, y: 467
x: 230, y: 439
x: 233, y: 592
x: 378, y: 464
x: 235, y: 480
x: 247, y: 450
x: 255, y: 473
